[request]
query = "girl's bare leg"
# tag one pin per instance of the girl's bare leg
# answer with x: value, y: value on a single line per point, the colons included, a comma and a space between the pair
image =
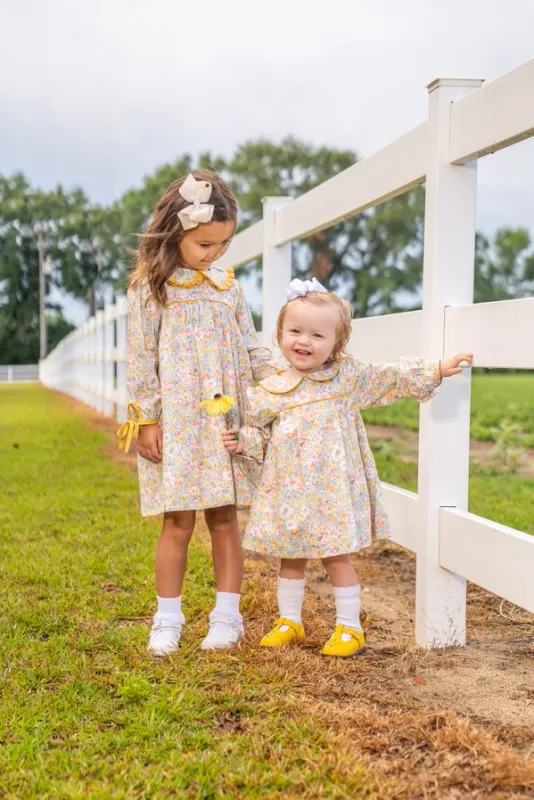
x: 170, y: 562
x: 226, y: 548
x: 226, y: 626
x: 171, y: 552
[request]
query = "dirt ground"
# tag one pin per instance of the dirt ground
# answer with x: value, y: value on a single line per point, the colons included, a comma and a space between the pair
x: 457, y: 723
x: 491, y: 678
x: 480, y: 452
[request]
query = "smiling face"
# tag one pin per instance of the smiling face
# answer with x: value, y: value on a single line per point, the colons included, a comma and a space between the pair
x: 203, y: 245
x: 308, y: 334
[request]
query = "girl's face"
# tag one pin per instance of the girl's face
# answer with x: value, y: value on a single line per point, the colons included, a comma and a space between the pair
x: 204, y: 244
x: 308, y: 335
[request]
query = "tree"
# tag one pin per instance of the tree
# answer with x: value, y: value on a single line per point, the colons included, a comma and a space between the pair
x: 87, y: 250
x: 373, y: 259
x: 20, y: 208
x: 504, y: 268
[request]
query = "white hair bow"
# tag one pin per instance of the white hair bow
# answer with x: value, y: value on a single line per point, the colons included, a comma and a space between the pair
x: 301, y: 288
x: 197, y: 193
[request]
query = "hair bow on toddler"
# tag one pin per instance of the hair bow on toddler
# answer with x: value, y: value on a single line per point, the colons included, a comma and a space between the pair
x: 197, y: 193
x: 299, y: 288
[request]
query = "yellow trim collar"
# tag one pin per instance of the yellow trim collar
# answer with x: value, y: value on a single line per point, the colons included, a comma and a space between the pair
x: 200, y: 275
x: 321, y: 376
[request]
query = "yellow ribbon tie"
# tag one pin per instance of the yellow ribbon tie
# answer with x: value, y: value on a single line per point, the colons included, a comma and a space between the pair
x: 130, y: 429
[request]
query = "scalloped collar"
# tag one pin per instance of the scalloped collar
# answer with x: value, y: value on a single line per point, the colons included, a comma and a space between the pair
x: 221, y: 279
x: 283, y: 382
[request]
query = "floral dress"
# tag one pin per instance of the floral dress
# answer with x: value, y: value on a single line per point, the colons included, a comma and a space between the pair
x: 319, y: 492
x: 201, y: 343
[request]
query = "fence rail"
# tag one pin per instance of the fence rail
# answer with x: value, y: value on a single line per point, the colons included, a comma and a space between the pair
x: 14, y: 373
x: 465, y: 122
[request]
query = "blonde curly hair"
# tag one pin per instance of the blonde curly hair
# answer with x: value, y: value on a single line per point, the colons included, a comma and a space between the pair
x: 343, y: 327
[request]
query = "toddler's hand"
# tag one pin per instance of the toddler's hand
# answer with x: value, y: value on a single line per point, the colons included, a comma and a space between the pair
x: 233, y: 444
x: 150, y: 442
x: 452, y: 366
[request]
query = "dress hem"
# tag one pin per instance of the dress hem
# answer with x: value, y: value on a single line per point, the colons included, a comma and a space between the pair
x: 315, y: 553
x: 189, y: 508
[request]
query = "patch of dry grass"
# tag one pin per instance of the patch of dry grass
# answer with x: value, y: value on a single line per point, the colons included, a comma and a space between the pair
x: 413, y: 751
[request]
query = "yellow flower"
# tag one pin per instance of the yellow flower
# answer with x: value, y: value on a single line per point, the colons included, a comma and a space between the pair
x: 220, y: 404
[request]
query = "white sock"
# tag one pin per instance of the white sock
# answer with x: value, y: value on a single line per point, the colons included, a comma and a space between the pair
x: 348, y: 606
x: 290, y: 596
x: 170, y: 605
x: 227, y: 604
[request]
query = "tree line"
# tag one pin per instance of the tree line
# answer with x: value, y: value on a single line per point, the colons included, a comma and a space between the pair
x: 373, y: 259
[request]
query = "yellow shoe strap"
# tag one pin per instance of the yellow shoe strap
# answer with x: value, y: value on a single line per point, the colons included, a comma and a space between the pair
x: 351, y: 632
x: 283, y: 621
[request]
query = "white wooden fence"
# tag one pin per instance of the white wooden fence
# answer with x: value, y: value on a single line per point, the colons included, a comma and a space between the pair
x: 466, y: 121
x: 15, y: 373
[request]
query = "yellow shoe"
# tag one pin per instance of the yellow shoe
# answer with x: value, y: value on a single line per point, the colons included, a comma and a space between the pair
x: 336, y: 646
x: 277, y: 638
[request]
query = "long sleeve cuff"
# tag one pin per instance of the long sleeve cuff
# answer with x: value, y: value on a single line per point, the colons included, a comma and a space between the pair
x: 262, y: 362
x: 427, y: 381
x: 254, y: 446
x: 129, y: 430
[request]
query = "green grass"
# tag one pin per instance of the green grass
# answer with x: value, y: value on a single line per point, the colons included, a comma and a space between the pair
x: 85, y: 712
x: 507, y: 499
x: 495, y: 397
x: 494, y: 494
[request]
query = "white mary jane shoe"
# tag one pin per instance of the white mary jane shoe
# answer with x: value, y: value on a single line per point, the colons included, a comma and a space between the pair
x: 165, y: 634
x: 224, y: 632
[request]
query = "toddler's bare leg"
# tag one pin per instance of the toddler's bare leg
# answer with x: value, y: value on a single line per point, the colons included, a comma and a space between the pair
x: 340, y: 570
x: 293, y: 569
x: 346, y: 588
x: 290, y: 589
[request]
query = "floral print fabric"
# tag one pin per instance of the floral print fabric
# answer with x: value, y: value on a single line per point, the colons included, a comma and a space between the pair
x: 319, y: 492
x: 202, y: 342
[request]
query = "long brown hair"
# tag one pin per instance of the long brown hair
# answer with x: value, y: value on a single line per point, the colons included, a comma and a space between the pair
x: 158, y: 255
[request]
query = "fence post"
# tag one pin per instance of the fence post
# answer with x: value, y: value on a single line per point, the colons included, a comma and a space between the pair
x: 276, y: 268
x: 80, y: 355
x: 109, y: 359
x: 100, y: 355
x: 121, y: 358
x: 90, y: 363
x: 450, y: 211
x: 75, y: 363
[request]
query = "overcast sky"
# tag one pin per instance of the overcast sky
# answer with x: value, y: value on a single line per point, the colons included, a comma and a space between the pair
x: 98, y: 93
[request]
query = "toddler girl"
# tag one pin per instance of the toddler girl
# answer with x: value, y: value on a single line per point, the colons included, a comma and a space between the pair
x: 190, y: 339
x: 319, y: 494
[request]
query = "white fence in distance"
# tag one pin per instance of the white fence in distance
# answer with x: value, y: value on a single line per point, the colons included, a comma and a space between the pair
x: 15, y: 373
x: 90, y: 363
x: 466, y: 121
